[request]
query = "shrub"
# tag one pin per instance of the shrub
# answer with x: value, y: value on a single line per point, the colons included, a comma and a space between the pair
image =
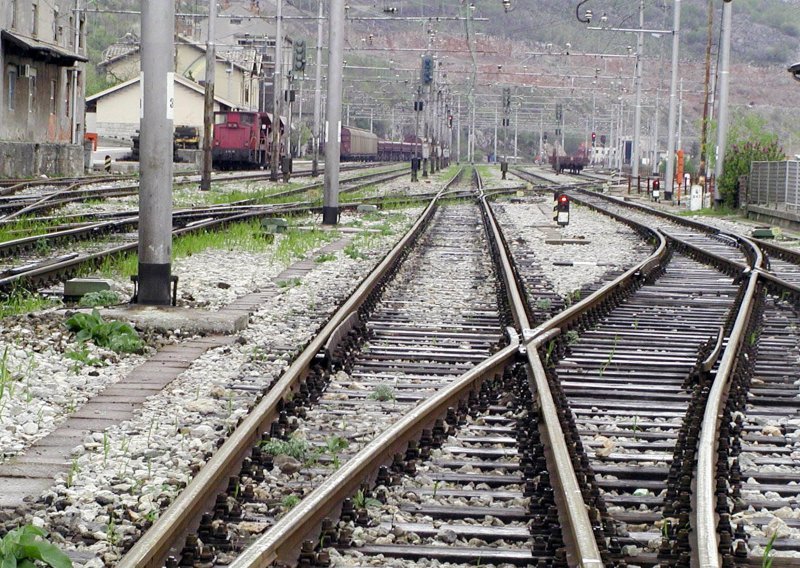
x: 99, y: 298
x: 22, y: 547
x: 115, y: 335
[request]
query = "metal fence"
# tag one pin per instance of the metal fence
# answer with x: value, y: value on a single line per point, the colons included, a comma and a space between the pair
x: 775, y: 184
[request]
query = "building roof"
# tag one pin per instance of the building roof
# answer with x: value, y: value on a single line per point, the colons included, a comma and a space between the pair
x: 39, y: 50
x: 178, y: 79
x: 244, y: 59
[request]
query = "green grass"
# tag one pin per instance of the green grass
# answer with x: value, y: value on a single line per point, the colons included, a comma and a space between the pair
x: 28, y: 227
x: 247, y: 236
x: 712, y: 212
x: 295, y: 243
x: 22, y: 301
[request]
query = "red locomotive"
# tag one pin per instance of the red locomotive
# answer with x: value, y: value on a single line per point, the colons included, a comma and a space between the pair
x: 242, y: 139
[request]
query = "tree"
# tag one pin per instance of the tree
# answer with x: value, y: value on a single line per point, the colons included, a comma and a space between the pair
x: 748, y: 141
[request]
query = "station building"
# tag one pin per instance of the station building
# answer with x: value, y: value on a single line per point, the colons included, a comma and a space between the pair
x: 42, y: 57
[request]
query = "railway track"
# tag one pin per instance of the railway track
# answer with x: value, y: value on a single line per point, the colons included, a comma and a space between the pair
x: 16, y: 206
x: 451, y: 340
x: 573, y: 443
x: 748, y: 491
x: 35, y: 265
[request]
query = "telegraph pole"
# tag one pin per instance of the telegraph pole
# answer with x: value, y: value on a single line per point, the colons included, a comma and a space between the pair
x: 155, y: 147
x: 317, y: 95
x: 208, y: 106
x: 637, y: 120
x: 724, y: 73
x: 277, y: 97
x: 673, y: 87
x: 330, y: 207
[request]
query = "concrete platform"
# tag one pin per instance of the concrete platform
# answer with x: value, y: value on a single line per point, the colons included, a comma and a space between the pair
x: 168, y: 318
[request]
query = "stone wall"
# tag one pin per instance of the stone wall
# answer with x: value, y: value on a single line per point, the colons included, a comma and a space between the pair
x: 25, y: 159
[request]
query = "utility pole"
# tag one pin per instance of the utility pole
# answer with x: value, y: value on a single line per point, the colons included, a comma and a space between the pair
x: 495, y: 131
x: 155, y: 147
x: 655, y: 139
x: 637, y: 120
x: 208, y: 103
x: 516, y: 119
x: 76, y: 129
x: 317, y: 95
x: 724, y: 75
x: 277, y: 96
x: 330, y: 207
x: 458, y: 132
x: 704, y: 127
x: 673, y: 87
x: 680, y: 118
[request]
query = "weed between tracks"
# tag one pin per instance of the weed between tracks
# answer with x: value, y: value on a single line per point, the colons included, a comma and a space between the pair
x: 247, y: 236
x: 22, y: 301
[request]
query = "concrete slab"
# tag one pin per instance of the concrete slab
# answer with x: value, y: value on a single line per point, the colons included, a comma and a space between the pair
x: 14, y: 491
x: 168, y: 318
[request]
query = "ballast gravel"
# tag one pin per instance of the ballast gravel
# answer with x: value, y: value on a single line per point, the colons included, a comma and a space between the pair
x: 131, y: 471
x: 605, y: 245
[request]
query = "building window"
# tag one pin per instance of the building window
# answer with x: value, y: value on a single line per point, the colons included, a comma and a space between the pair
x: 56, y: 27
x: 53, y: 96
x: 34, y: 19
x: 14, y: 14
x: 68, y: 100
x: 31, y: 93
x: 12, y: 88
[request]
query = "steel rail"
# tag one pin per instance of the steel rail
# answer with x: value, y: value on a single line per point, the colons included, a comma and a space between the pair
x: 283, y: 540
x: 582, y: 548
x: 703, y: 515
x: 152, y: 549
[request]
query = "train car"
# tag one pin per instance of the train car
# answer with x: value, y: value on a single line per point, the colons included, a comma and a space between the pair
x: 242, y: 139
x: 568, y: 163
x: 358, y: 145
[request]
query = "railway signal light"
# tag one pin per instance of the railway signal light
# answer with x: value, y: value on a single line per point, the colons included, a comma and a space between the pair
x: 562, y: 209
x: 594, y: 136
x: 299, y: 62
x: 427, y: 70
x: 450, y: 121
x: 506, y: 98
x: 603, y: 139
x: 418, y: 106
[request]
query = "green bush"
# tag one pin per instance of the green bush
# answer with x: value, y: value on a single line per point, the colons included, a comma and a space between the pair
x: 22, y: 547
x: 115, y: 335
x: 99, y: 298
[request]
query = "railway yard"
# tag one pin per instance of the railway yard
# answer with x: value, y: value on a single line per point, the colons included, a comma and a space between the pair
x: 447, y: 377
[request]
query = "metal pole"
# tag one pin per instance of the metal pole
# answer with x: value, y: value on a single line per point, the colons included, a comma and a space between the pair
x: 516, y: 118
x: 655, y: 138
x: 458, y: 132
x: 472, y: 157
x: 495, y: 131
x: 724, y: 75
x: 317, y: 95
x: 680, y: 116
x: 298, y: 149
x: 277, y: 96
x: 155, y: 148
x: 208, y: 104
x: 637, y: 120
x: 77, y: 130
x: 673, y: 87
x: 541, y: 134
x: 333, y: 132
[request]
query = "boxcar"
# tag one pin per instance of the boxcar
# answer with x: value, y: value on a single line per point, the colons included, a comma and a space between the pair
x: 358, y: 145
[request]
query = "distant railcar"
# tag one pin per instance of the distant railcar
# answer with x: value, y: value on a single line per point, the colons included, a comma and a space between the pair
x: 243, y: 139
x: 568, y: 163
x: 358, y: 145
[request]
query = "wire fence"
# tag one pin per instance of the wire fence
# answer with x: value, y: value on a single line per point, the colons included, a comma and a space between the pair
x: 775, y: 185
